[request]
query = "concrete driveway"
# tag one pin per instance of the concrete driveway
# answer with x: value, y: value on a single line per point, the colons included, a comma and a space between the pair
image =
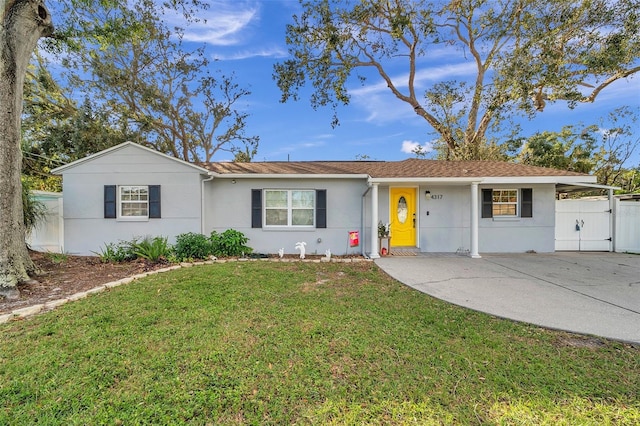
x: 588, y: 293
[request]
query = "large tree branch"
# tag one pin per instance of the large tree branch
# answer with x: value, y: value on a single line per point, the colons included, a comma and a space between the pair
x: 607, y: 82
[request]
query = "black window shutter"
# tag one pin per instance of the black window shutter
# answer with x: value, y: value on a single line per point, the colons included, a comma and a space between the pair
x: 487, y: 203
x: 526, y: 205
x: 256, y: 208
x: 109, y: 201
x: 321, y: 208
x: 154, y: 202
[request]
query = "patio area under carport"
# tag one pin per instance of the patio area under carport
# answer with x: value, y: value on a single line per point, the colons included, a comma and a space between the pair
x: 588, y: 293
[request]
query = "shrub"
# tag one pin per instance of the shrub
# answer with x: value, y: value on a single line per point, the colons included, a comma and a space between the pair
x: 154, y: 250
x: 192, y: 246
x: 120, y: 252
x: 229, y: 243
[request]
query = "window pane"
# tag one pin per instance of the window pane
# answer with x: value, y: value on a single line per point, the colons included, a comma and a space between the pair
x: 134, y: 201
x: 504, y: 210
x: 275, y: 198
x: 505, y: 202
x: 302, y: 217
x: 276, y: 217
x: 304, y: 199
x: 402, y: 210
x: 134, y: 209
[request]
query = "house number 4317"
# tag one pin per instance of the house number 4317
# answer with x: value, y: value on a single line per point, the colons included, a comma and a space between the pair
x: 436, y: 196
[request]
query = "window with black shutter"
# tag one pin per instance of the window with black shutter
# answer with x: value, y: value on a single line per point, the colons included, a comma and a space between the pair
x: 526, y: 205
x: 256, y: 208
x: 110, y: 201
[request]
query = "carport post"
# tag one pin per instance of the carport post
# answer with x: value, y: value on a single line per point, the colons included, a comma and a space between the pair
x: 474, y: 221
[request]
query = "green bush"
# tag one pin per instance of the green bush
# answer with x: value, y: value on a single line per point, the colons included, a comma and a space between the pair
x: 192, y: 246
x: 229, y: 243
x: 154, y: 250
x: 120, y: 252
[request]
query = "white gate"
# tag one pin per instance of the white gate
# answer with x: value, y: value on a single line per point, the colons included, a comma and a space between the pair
x: 583, y: 225
x: 627, y: 226
x: 48, y: 234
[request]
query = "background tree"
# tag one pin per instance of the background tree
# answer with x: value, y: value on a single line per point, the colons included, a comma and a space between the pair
x: 619, y: 140
x: 565, y: 150
x: 604, y: 150
x: 56, y: 131
x: 526, y: 53
x: 165, y: 94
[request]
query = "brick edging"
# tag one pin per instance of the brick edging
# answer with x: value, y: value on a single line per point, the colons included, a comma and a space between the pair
x: 52, y: 304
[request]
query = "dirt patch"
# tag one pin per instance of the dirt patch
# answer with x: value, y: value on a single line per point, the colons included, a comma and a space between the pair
x: 580, y: 341
x: 62, y: 276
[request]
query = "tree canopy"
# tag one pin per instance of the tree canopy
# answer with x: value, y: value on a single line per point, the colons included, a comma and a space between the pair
x: 601, y: 149
x: 525, y: 54
x: 140, y: 76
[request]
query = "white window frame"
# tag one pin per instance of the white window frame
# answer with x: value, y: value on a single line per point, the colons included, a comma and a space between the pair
x: 515, y: 203
x: 122, y: 203
x: 289, y: 208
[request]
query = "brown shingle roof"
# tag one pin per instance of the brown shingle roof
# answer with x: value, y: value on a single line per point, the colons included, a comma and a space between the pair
x: 410, y: 168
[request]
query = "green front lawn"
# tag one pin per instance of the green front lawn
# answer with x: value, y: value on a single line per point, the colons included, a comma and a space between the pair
x: 307, y: 343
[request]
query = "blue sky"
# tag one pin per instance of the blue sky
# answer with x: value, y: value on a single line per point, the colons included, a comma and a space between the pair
x: 248, y: 38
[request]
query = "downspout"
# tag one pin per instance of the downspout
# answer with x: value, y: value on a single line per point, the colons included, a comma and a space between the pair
x: 202, y: 212
x: 362, y: 211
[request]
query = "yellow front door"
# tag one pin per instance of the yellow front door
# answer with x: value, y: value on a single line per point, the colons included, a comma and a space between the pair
x: 403, y: 217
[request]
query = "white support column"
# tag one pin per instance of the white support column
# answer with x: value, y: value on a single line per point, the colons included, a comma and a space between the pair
x: 474, y: 221
x: 374, y: 222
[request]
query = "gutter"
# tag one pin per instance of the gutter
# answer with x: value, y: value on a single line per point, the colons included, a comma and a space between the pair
x: 202, y: 212
x: 362, y: 211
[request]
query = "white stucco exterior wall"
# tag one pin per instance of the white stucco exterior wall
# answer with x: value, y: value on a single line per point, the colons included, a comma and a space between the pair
x: 228, y: 205
x: 444, y: 222
x: 86, y: 229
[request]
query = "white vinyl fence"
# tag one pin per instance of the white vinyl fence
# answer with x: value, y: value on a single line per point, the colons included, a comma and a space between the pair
x: 48, y: 235
x: 583, y: 225
x: 588, y: 225
x: 627, y: 226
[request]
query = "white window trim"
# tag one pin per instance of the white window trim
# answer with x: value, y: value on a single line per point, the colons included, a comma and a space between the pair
x: 290, y: 209
x: 119, y: 215
x: 509, y: 203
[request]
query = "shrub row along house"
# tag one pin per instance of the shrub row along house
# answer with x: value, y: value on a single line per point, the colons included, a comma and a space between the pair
x: 131, y: 191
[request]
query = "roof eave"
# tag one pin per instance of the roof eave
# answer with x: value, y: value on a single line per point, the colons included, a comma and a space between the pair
x: 540, y: 179
x: 59, y: 170
x: 286, y: 176
x: 443, y: 180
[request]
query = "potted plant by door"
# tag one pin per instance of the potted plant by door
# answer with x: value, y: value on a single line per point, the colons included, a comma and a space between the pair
x: 383, y: 234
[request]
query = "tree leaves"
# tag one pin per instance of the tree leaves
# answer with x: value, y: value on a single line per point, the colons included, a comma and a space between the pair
x: 526, y: 53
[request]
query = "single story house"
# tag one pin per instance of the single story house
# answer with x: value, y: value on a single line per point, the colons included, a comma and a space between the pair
x: 473, y: 207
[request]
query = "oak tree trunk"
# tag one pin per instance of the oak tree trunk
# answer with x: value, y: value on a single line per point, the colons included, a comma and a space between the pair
x: 23, y: 23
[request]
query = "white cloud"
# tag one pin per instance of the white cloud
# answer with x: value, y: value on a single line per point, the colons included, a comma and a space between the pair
x: 410, y: 147
x: 223, y: 24
x: 430, y: 74
x: 381, y: 106
x: 272, y: 52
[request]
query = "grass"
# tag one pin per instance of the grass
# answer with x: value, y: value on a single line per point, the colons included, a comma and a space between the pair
x: 305, y: 343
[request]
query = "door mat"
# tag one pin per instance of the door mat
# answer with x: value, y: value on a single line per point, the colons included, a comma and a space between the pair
x: 403, y: 253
